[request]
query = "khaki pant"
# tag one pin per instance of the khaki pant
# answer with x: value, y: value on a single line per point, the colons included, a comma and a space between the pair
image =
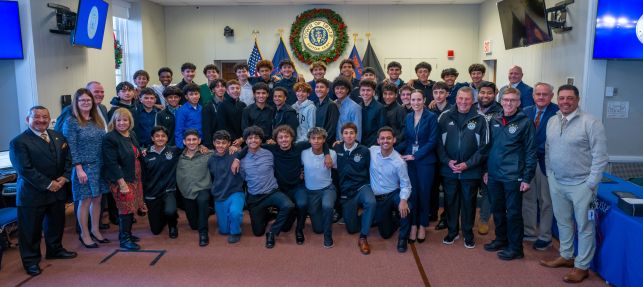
x: 538, y: 199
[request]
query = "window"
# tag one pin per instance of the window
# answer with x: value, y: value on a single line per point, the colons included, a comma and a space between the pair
x: 120, y: 34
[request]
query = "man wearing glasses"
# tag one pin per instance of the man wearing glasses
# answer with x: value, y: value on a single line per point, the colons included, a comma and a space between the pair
x: 511, y: 166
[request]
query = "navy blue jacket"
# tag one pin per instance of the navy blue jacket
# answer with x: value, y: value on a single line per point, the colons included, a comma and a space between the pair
x: 288, y: 84
x: 541, y: 131
x: 425, y: 134
x: 467, y: 143
x: 373, y: 118
x: 512, y: 156
x: 352, y: 169
x: 526, y: 94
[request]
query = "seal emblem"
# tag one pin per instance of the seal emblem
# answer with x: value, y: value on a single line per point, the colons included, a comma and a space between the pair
x: 471, y: 125
x: 357, y: 158
x: 168, y: 155
x: 318, y: 36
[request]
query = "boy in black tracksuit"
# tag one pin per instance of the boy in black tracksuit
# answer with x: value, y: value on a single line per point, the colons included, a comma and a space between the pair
x: 159, y: 182
x: 166, y: 117
x: 355, y: 190
x: 462, y: 151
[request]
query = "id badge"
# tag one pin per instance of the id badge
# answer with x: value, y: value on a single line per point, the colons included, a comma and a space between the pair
x: 415, y: 148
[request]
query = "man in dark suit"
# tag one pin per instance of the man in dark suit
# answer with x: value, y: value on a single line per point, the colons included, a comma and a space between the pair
x: 515, y: 81
x: 42, y: 161
x: 536, y: 202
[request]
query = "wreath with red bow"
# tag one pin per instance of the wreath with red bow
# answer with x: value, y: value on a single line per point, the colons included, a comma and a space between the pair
x: 337, y: 24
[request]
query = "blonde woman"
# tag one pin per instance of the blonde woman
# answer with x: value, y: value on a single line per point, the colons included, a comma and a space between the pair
x: 123, y: 171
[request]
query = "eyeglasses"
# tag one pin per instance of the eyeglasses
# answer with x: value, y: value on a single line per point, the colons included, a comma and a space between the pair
x: 510, y: 100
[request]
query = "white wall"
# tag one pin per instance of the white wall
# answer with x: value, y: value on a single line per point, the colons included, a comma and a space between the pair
x: 408, y: 33
x: 625, y: 76
x: 153, y: 20
x: 568, y: 55
x: 52, y: 66
x: 9, y: 109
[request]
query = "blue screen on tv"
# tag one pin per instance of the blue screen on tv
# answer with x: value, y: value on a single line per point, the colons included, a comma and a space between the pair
x: 619, y: 30
x: 11, y: 47
x: 90, y: 23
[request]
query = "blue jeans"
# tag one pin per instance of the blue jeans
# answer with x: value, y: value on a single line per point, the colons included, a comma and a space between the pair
x: 321, y: 204
x: 386, y: 222
x: 421, y: 176
x: 366, y: 199
x: 230, y: 213
x: 506, y: 204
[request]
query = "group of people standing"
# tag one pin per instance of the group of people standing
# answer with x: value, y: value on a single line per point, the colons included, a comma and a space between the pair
x: 373, y: 153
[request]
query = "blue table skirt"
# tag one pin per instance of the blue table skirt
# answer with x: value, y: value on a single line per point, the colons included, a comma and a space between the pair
x: 619, y: 252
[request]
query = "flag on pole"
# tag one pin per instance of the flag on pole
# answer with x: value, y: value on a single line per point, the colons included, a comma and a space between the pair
x: 357, y: 62
x: 255, y: 57
x: 370, y: 60
x: 281, y: 54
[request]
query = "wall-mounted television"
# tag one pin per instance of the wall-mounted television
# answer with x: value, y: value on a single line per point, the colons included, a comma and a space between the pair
x: 523, y: 23
x: 90, y: 23
x: 619, y: 30
x: 11, y: 47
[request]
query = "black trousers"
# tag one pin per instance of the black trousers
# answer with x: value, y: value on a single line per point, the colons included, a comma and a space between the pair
x: 387, y: 223
x: 461, y: 201
x: 434, y: 202
x: 506, y: 204
x: 31, y: 221
x: 162, y: 211
x: 258, y: 207
x: 198, y: 210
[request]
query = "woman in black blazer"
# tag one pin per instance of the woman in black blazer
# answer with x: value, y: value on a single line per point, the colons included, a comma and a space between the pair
x: 123, y: 171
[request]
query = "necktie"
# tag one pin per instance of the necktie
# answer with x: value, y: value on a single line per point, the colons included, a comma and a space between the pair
x: 44, y: 137
x: 537, y: 121
x: 563, y: 125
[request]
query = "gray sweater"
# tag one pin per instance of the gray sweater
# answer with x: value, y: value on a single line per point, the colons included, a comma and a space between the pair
x: 576, y: 153
x: 192, y: 174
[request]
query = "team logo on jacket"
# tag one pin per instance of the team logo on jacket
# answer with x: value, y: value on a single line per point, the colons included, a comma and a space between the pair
x: 513, y: 129
x: 357, y: 158
x: 471, y: 125
x: 168, y: 155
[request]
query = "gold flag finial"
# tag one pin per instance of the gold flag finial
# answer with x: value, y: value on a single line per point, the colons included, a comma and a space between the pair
x: 368, y: 35
x: 255, y: 34
x: 281, y: 32
x: 354, y: 38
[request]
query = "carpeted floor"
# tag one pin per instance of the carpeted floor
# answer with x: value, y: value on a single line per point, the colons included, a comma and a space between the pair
x: 249, y: 263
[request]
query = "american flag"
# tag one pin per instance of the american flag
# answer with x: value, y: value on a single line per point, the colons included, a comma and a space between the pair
x: 255, y: 57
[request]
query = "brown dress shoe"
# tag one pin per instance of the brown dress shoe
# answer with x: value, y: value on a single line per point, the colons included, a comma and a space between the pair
x: 576, y: 276
x: 558, y: 262
x: 363, y: 246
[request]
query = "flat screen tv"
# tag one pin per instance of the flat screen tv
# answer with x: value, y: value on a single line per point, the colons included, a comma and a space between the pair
x: 11, y: 47
x: 523, y: 23
x: 90, y: 24
x: 619, y: 30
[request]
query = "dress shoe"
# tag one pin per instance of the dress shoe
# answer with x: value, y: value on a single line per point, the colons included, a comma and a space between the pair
x: 363, y: 246
x: 510, y: 254
x: 270, y: 240
x: 234, y: 238
x: 442, y: 224
x: 558, y: 262
x: 129, y: 245
x: 413, y: 234
x: 495, y: 245
x: 90, y: 246
x: 576, y: 275
x: 173, y: 231
x: 402, y: 245
x: 422, y: 238
x: 103, y: 226
x: 102, y: 241
x: 204, y: 239
x: 299, y: 237
x: 483, y: 228
x: 33, y: 270
x: 62, y: 254
x: 541, y: 245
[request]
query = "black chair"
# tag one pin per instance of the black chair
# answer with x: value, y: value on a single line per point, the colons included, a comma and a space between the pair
x: 8, y: 220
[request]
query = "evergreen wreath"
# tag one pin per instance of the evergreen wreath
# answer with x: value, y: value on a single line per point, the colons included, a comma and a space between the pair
x: 337, y: 24
x: 118, y: 54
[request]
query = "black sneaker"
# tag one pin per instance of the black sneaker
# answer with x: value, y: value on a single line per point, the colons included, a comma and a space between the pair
x: 204, y: 239
x: 541, y: 245
x: 299, y: 237
x: 448, y: 240
x: 234, y: 238
x: 173, y: 232
x: 328, y: 242
x: 510, y: 254
x: 469, y: 243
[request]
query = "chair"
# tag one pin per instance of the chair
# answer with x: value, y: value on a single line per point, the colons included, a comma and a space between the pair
x: 8, y: 219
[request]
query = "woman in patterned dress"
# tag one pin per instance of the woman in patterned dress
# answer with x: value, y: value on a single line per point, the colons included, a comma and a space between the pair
x: 84, y: 131
x: 122, y: 169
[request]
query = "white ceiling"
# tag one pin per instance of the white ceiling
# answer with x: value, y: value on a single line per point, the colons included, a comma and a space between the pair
x: 307, y: 2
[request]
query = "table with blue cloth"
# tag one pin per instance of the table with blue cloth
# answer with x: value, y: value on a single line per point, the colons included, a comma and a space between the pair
x: 619, y: 237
